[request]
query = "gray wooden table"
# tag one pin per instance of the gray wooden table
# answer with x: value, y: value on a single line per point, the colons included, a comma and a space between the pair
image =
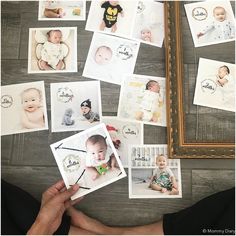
x: 27, y: 160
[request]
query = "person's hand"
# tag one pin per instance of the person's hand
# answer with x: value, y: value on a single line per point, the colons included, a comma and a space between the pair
x: 53, y: 205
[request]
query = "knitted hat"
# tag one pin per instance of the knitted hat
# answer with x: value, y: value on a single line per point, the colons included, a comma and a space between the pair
x: 111, y: 128
x: 86, y: 103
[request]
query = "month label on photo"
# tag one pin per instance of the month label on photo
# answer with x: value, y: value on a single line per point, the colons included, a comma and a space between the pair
x: 124, y: 52
x: 208, y: 86
x: 130, y: 131
x: 64, y: 95
x: 199, y: 13
x: 6, y: 101
x: 71, y: 163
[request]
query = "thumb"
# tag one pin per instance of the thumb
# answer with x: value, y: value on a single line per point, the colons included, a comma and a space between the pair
x: 68, y: 193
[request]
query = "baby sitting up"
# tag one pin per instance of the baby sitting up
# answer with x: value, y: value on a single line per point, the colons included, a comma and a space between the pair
x: 88, y: 114
x: 53, y: 52
x: 99, y: 158
x: 32, y: 114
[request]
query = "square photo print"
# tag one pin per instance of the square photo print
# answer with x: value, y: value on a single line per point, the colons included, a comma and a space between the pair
x: 62, y: 10
x: 75, y: 105
x: 89, y: 159
x: 110, y: 57
x: 23, y: 108
x: 143, y: 99
x: 211, y: 22
x: 112, y: 17
x: 149, y: 23
x: 152, y: 174
x: 52, y: 50
x: 215, y: 85
x: 123, y: 133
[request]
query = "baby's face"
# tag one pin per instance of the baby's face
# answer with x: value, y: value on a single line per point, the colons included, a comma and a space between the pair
x: 55, y: 37
x: 97, y: 150
x: 222, y: 72
x: 161, y: 162
x: 103, y: 55
x: 31, y: 100
x: 154, y: 87
x: 220, y: 14
x: 146, y: 35
x: 85, y: 110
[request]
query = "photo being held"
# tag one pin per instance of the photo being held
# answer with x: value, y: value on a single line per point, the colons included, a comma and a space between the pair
x: 86, y: 109
x: 163, y: 179
x: 111, y: 12
x: 149, y: 104
x: 53, y: 9
x: 53, y: 52
x: 32, y: 114
x: 220, y: 27
x: 99, y: 159
x: 103, y: 55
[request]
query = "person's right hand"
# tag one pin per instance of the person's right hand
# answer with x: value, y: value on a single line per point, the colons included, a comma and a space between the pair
x: 53, y: 205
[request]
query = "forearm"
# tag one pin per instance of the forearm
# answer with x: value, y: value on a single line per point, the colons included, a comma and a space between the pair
x: 39, y: 228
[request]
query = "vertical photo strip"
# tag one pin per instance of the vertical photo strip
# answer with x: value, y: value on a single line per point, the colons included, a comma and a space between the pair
x: 52, y: 50
x: 123, y: 133
x: 89, y: 159
x: 23, y: 108
x: 75, y: 105
x: 143, y: 99
x: 63, y: 10
x: 152, y: 174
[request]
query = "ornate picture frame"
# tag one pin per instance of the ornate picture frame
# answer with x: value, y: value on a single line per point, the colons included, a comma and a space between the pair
x: 178, y: 145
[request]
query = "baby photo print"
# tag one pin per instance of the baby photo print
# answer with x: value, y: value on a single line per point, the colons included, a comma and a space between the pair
x: 75, y: 105
x: 89, y: 159
x: 152, y: 174
x: 110, y: 57
x: 52, y: 50
x: 211, y: 22
x: 112, y: 17
x: 142, y: 98
x: 215, y: 85
x: 149, y: 23
x: 23, y: 108
x: 123, y: 133
x: 62, y: 10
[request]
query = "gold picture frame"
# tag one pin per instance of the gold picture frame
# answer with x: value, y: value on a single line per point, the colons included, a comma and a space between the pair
x: 178, y: 147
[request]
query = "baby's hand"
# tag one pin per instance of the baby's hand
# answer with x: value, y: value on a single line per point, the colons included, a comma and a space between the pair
x: 95, y: 176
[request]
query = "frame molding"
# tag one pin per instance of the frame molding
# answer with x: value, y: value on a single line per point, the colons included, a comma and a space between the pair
x: 177, y: 147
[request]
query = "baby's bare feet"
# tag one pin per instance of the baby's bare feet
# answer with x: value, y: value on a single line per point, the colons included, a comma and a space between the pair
x: 163, y: 190
x: 95, y: 176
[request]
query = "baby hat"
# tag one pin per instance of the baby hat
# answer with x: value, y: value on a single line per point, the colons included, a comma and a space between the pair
x: 86, y: 103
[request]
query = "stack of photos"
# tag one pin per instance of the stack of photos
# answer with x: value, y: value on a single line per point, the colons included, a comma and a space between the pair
x: 143, y: 99
x: 149, y: 23
x: 211, y: 22
x: 215, y: 86
x: 23, y: 108
x: 110, y: 57
x: 139, y: 20
x: 52, y: 50
x: 62, y: 10
x: 75, y: 105
x: 123, y: 133
x: 152, y: 174
x: 89, y: 159
x: 112, y: 17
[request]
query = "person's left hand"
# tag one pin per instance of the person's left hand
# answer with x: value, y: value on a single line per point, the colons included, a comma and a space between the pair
x: 53, y: 205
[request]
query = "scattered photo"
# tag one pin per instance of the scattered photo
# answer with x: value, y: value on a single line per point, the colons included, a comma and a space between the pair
x: 89, y: 159
x: 123, y: 133
x: 152, y: 174
x: 110, y: 57
x: 62, y: 10
x: 52, y: 50
x: 215, y: 85
x: 143, y: 99
x: 112, y: 17
x: 149, y: 23
x: 211, y: 22
x: 75, y: 105
x: 23, y: 108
